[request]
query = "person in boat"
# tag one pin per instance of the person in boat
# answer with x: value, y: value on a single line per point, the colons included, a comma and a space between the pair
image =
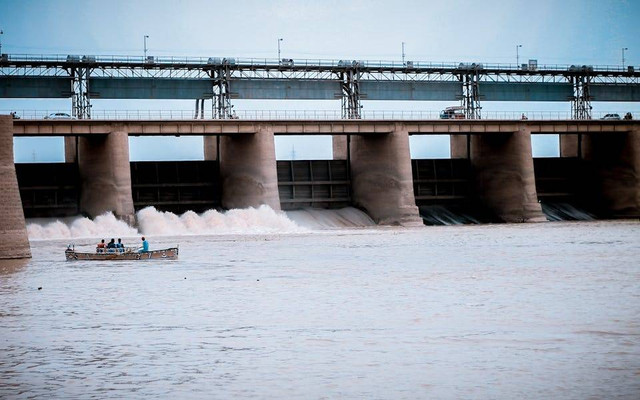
x: 111, y: 247
x: 101, y: 247
x: 145, y: 246
x: 120, y: 246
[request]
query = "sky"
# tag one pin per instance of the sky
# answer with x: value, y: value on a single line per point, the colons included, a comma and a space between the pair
x: 553, y: 32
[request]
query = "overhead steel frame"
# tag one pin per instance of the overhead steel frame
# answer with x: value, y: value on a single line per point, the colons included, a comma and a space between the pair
x: 221, y: 104
x: 80, y: 99
x: 350, y: 83
x: 581, y: 101
x: 471, y: 95
x: 350, y: 75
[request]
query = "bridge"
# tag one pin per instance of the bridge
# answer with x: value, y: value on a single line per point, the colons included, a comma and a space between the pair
x: 222, y: 79
x: 491, y: 166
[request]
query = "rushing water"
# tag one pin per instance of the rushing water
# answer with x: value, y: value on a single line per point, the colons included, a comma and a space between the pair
x: 477, y: 311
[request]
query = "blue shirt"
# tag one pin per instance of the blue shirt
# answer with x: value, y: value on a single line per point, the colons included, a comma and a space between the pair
x: 145, y: 245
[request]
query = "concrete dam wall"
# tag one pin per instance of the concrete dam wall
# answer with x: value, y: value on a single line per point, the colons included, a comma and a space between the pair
x: 492, y: 167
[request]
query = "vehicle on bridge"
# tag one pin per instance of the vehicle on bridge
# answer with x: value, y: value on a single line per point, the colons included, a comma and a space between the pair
x: 455, y: 112
x: 612, y: 117
x: 59, y: 116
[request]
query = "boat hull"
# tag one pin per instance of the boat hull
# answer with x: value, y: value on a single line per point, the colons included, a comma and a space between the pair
x: 164, y: 254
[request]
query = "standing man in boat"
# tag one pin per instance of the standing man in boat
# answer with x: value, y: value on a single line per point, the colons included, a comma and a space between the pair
x: 145, y: 246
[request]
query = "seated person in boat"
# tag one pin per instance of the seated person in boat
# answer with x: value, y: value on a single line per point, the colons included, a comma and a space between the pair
x: 145, y: 246
x: 101, y: 247
x: 120, y: 246
x: 111, y: 247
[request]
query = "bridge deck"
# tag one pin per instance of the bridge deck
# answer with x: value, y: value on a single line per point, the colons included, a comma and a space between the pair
x: 308, y: 127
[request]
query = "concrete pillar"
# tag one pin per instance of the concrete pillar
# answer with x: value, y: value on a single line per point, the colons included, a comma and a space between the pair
x: 210, y: 148
x: 458, y: 144
x: 248, y: 170
x: 339, y: 147
x: 614, y: 158
x: 105, y: 173
x: 70, y: 149
x: 381, y: 177
x: 14, y: 242
x: 569, y: 145
x: 504, y: 175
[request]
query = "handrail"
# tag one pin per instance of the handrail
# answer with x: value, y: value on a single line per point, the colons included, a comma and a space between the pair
x: 298, y: 114
x: 290, y: 62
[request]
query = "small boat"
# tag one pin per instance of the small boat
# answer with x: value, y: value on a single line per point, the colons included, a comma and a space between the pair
x: 127, y: 255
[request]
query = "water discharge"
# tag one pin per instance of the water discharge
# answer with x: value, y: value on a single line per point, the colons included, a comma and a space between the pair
x: 261, y: 220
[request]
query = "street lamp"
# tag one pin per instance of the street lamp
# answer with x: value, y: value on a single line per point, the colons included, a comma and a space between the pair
x: 279, y: 40
x: 518, y: 55
x: 623, y: 49
x: 145, y: 46
x: 1, y: 33
x: 403, y: 53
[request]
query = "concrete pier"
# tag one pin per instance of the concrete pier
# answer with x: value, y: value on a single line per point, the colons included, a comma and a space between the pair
x: 381, y: 177
x: 210, y: 145
x: 14, y: 242
x: 615, y: 160
x: 70, y: 149
x: 458, y: 146
x: 504, y: 175
x: 339, y: 147
x: 103, y: 164
x: 248, y: 170
x: 569, y: 145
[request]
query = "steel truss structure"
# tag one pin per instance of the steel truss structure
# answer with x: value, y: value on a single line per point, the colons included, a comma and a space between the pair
x: 349, y: 75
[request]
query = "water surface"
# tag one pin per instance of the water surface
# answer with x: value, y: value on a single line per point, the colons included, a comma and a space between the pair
x: 492, y: 311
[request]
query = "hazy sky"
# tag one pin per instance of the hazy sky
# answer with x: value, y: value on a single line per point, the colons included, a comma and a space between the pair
x: 562, y: 32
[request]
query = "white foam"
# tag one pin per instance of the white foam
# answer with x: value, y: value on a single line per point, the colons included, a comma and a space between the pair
x: 105, y: 225
x: 238, y: 221
x: 348, y: 217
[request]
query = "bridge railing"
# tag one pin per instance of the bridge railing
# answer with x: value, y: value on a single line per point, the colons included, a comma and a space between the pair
x: 290, y: 62
x: 293, y: 114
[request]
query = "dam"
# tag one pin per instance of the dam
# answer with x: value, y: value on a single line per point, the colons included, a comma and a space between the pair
x: 491, y: 166
x: 491, y: 169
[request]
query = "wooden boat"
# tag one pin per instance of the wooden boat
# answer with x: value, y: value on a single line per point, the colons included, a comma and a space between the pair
x: 127, y: 255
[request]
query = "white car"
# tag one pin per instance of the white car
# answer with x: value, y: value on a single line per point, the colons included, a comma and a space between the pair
x: 611, y: 116
x: 58, y: 116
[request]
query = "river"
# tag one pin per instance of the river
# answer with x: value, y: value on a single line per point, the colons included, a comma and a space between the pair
x: 504, y: 311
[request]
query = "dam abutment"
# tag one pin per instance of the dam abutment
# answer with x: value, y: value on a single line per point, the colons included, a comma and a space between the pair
x: 14, y: 242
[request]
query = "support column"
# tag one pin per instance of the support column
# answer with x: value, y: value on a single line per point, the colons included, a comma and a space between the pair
x: 105, y: 173
x: 569, y: 145
x: 615, y: 161
x: 210, y: 144
x: 458, y: 144
x: 339, y: 147
x: 248, y: 170
x: 14, y: 242
x: 504, y: 174
x: 70, y: 149
x: 381, y: 177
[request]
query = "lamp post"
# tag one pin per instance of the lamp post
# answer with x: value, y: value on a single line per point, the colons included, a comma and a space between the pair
x: 145, y: 46
x: 403, y: 54
x: 1, y: 33
x: 279, y: 40
x: 623, y: 49
x: 518, y: 55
